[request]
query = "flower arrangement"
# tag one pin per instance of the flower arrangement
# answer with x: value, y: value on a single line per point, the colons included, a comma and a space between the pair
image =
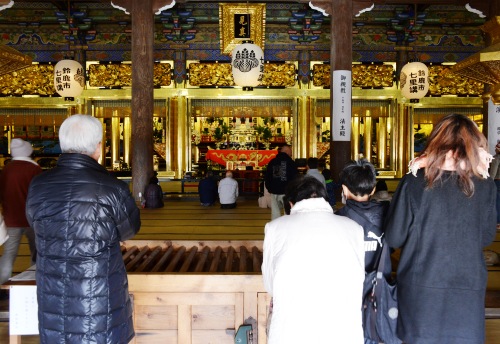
x: 264, y: 132
x: 221, y: 130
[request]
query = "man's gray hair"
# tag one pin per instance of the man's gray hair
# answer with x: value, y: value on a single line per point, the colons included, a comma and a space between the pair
x: 80, y: 134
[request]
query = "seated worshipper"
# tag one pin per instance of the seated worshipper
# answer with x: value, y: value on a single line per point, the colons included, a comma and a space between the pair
x: 305, y: 252
x: 153, y: 194
x: 312, y: 170
x: 228, y: 191
x: 207, y: 189
x: 381, y: 192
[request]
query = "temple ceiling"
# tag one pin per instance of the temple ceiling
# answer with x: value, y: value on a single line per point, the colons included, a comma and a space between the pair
x: 443, y: 31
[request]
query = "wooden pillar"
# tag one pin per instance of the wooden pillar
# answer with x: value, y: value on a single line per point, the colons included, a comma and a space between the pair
x: 142, y: 14
x: 340, y: 59
x: 142, y: 93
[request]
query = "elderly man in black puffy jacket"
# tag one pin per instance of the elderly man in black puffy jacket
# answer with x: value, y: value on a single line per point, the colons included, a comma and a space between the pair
x: 80, y: 213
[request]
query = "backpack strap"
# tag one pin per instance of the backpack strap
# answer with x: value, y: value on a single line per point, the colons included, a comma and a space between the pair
x: 382, y: 264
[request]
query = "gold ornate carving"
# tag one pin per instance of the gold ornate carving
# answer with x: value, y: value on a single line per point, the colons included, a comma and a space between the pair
x: 110, y: 75
x: 37, y: 79
x: 279, y: 74
x: 321, y: 75
x: 220, y: 74
x: 234, y: 32
x: 363, y: 75
x: 162, y: 74
x: 372, y: 75
x: 210, y: 74
x: 441, y: 80
x: 120, y: 75
x: 444, y: 82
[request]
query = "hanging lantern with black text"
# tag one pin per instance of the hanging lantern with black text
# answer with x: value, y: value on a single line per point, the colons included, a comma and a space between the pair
x: 414, y: 81
x: 69, y: 79
x: 247, y: 63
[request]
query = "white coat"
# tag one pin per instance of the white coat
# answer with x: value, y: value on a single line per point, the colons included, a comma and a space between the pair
x: 314, y: 269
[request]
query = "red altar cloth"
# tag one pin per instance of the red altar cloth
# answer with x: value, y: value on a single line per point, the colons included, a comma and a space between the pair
x: 221, y: 156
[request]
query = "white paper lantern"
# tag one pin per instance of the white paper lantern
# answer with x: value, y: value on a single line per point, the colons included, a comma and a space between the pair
x: 247, y: 62
x: 414, y: 80
x: 69, y: 79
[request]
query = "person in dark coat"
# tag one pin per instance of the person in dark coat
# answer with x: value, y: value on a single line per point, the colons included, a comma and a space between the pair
x: 358, y: 179
x: 80, y: 213
x: 208, y: 191
x: 279, y: 172
x: 442, y: 216
x: 153, y: 194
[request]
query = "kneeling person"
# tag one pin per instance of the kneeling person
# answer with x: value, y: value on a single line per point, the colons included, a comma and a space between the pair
x: 228, y: 191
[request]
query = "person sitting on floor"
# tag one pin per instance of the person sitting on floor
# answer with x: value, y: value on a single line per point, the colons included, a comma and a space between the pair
x: 153, y: 194
x: 228, y: 191
x: 207, y: 189
x: 381, y: 192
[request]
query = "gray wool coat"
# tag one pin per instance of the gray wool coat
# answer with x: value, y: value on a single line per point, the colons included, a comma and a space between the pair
x: 441, y: 273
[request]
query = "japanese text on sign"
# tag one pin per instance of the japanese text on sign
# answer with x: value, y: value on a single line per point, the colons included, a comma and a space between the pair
x: 341, y: 105
x: 417, y: 81
x: 63, y: 78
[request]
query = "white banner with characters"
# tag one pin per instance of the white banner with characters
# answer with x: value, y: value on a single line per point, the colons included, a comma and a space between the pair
x: 341, y: 105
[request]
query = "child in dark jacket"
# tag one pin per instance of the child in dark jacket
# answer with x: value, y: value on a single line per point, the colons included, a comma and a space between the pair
x: 358, y: 180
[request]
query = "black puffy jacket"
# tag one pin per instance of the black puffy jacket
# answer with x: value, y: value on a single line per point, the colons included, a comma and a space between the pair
x: 80, y: 213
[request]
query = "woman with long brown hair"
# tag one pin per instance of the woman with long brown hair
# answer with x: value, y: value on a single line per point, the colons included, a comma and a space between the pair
x: 442, y: 215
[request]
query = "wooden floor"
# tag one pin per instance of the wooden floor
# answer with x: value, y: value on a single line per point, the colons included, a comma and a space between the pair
x: 183, y: 218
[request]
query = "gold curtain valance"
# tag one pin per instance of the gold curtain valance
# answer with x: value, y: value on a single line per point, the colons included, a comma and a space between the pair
x: 235, y: 103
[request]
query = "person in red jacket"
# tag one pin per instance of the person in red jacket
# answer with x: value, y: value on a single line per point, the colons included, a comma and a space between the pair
x: 15, y: 179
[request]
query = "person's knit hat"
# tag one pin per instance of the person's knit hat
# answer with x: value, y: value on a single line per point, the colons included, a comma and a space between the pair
x: 20, y: 148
